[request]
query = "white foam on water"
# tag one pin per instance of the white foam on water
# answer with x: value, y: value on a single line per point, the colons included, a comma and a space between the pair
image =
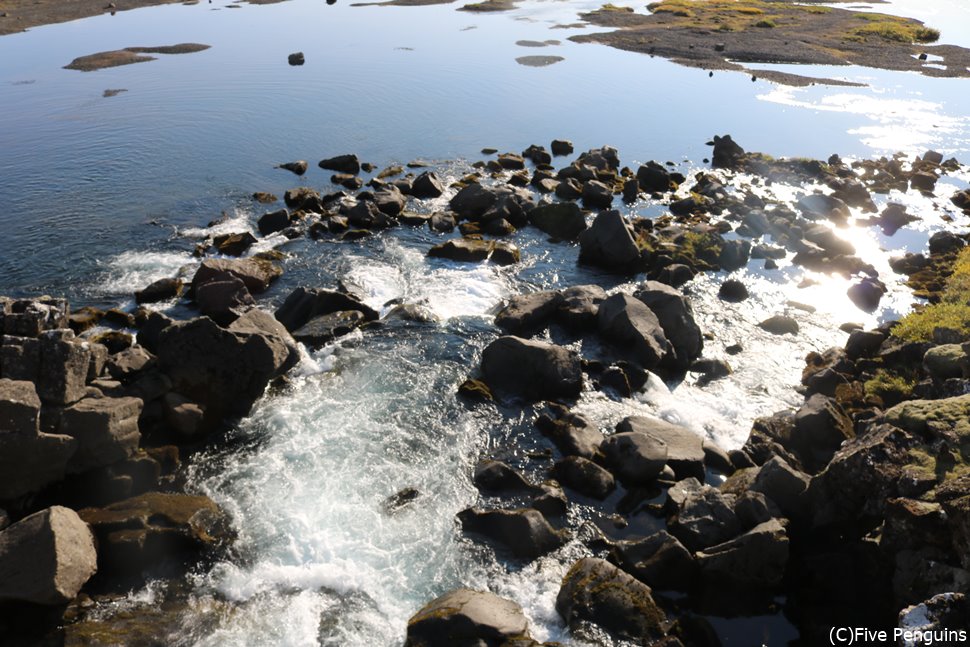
x: 308, y: 502
x: 130, y: 271
x: 236, y: 222
x: 448, y: 289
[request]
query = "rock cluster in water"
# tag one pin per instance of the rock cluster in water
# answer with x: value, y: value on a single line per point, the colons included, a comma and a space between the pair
x: 860, y: 492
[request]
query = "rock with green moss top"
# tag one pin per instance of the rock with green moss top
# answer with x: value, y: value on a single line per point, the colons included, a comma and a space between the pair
x: 467, y: 617
x: 928, y: 416
x: 946, y: 361
x: 596, y: 592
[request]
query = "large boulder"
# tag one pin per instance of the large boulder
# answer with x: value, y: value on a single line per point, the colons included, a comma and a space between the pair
x: 659, y: 560
x: 572, y: 434
x: 757, y: 558
x: 524, y: 532
x: 609, y: 243
x: 685, y: 449
x: 106, y: 431
x: 562, y: 220
x: 703, y: 516
x: 528, y: 313
x: 866, y: 472
x: 30, y: 317
x: 580, y: 305
x: 46, y: 558
x: 55, y: 362
x: 29, y: 459
x: 256, y: 273
x: 325, y: 328
x: 533, y: 370
x: 140, y: 533
x: 467, y: 617
x: 676, y: 318
x: 821, y: 426
x: 596, y: 592
x: 223, y: 299
x: 584, y: 476
x: 629, y: 324
x: 783, y: 484
x: 635, y: 458
x: 303, y: 304
x: 226, y: 370
x: 427, y: 185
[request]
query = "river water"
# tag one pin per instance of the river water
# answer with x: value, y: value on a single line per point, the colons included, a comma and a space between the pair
x: 101, y: 195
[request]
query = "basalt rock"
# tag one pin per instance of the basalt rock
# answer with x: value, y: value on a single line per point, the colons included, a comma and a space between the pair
x: 226, y: 370
x: 303, y: 304
x: 160, y: 290
x: 659, y: 560
x: 703, y: 516
x: 532, y: 370
x: 685, y: 451
x: 223, y: 298
x: 29, y: 459
x: 255, y: 273
x: 525, y: 532
x: 609, y: 243
x: 596, y: 592
x: 630, y: 324
x: 635, y: 458
x: 572, y: 434
x: 341, y: 164
x: 427, y: 185
x: 758, y: 558
x: 323, y: 329
x: 497, y: 478
x: 468, y: 617
x: 46, y: 558
x: 528, y: 313
x: 561, y: 220
x: 584, y: 476
x: 580, y: 306
x: 140, y: 533
x: 676, y: 317
x: 105, y: 430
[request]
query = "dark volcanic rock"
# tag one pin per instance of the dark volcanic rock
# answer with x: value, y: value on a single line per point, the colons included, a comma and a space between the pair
x: 139, y: 533
x: 562, y: 220
x: 226, y: 370
x: 580, y: 306
x: 160, y: 290
x: 256, y: 273
x: 427, y: 185
x: 676, y: 317
x: 532, y: 370
x: 528, y: 313
x: 324, y: 328
x: 46, y: 558
x: 303, y: 304
x: 341, y: 164
x: 685, y: 449
x: 733, y: 291
x: 758, y: 558
x: 635, y: 458
x: 524, y: 532
x: 658, y: 560
x: 779, y: 325
x: 584, y: 476
x: 467, y: 617
x: 272, y: 222
x: 609, y: 243
x: 703, y: 516
x: 628, y: 323
x: 597, y: 592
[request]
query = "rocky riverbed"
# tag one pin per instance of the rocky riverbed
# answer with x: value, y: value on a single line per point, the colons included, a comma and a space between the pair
x: 848, y: 509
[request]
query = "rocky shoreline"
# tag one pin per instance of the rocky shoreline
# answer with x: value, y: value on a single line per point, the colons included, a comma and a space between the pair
x: 854, y: 506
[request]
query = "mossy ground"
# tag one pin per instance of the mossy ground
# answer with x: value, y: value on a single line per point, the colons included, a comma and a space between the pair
x: 952, y: 311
